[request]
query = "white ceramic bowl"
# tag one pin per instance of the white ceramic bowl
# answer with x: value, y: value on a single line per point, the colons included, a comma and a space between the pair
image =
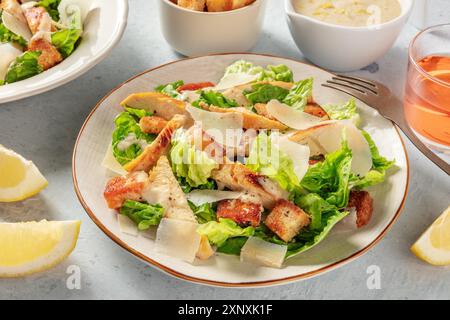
x: 103, y: 29
x: 342, y: 48
x: 194, y: 33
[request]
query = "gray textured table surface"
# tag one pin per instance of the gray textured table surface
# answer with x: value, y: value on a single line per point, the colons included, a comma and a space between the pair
x: 43, y: 128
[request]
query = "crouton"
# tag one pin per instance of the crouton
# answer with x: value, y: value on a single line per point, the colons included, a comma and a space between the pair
x: 363, y: 203
x: 197, y: 5
x: 286, y: 220
x: 237, y: 177
x: 128, y: 187
x: 241, y: 212
x: 152, y: 125
x: 226, y: 5
x: 49, y: 57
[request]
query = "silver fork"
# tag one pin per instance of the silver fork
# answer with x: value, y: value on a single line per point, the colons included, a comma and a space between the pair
x: 379, y: 97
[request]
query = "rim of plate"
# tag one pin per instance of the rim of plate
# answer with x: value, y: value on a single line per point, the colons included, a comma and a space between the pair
x: 102, y: 54
x: 214, y: 283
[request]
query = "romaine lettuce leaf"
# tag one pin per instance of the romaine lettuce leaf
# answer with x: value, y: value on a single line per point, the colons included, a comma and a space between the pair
x: 263, y: 93
x: 271, y: 73
x: 66, y: 40
x: 378, y: 173
x: 205, y: 212
x: 277, y: 73
x: 330, y: 178
x: 143, y: 214
x: 24, y: 67
x: 232, y: 246
x: 308, y: 238
x: 314, y: 205
x: 8, y: 36
x: 52, y: 7
x: 127, y: 123
x: 190, y: 163
x: 170, y: 89
x: 298, y: 96
x: 265, y: 158
x: 215, y: 99
x: 219, y: 232
x: 343, y: 112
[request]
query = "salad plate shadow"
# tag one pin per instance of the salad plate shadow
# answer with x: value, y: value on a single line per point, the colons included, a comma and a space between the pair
x: 342, y: 245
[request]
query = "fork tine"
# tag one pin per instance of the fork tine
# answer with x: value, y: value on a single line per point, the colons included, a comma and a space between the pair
x: 365, y: 81
x: 347, y: 86
x: 357, y: 83
x: 345, y: 89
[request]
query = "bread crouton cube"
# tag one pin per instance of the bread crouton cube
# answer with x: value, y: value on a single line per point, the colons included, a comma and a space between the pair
x: 286, y: 220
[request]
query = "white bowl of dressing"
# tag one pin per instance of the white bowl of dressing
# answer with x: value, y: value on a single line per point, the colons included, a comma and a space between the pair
x: 343, y: 47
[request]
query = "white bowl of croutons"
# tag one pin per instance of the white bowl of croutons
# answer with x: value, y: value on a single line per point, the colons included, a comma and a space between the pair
x: 199, y: 27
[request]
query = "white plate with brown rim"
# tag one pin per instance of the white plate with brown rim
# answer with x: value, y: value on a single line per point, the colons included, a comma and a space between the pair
x: 340, y: 246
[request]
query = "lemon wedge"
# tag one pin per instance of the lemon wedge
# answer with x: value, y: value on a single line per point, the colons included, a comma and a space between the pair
x: 30, y: 247
x: 19, y: 178
x: 434, y: 245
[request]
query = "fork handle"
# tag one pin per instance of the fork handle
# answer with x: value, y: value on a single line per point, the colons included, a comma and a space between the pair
x: 441, y: 163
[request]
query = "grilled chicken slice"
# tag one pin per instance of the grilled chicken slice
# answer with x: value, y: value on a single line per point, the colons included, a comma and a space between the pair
x: 129, y: 187
x: 49, y: 57
x: 152, y: 124
x: 311, y: 108
x: 363, y: 203
x: 163, y: 188
x: 250, y: 120
x: 197, y: 5
x: 244, y: 213
x: 286, y: 220
x: 13, y: 7
x: 237, y: 177
x: 159, y: 147
x: 157, y: 103
x: 38, y: 20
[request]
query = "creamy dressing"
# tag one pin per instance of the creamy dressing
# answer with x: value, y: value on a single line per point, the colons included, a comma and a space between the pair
x: 352, y: 13
x: 129, y: 141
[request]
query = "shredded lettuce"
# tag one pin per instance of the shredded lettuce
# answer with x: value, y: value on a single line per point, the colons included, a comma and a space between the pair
x: 52, y: 7
x: 298, y: 96
x: 219, y: 232
x: 265, y: 158
x: 170, y: 89
x: 127, y: 123
x: 263, y: 93
x: 344, y: 111
x: 66, y: 40
x: 8, y: 36
x: 205, y: 212
x: 215, y: 99
x: 271, y: 73
x: 380, y: 165
x: 24, y: 67
x: 330, y: 178
x: 143, y: 214
x: 190, y: 163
